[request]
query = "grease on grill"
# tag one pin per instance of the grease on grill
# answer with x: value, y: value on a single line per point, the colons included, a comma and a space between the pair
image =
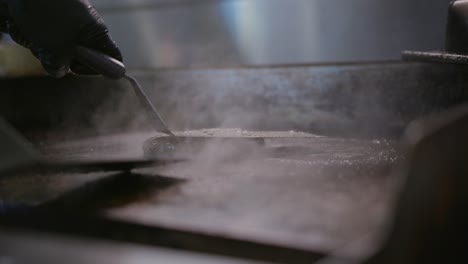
x: 220, y: 144
x: 229, y: 143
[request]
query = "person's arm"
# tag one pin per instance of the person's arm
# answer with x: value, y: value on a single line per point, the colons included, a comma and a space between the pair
x: 52, y: 29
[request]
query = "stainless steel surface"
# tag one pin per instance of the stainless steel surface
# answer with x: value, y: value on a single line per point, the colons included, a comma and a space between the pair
x: 372, y: 100
x: 162, y: 34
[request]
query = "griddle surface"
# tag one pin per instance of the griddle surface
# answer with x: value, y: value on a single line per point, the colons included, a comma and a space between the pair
x: 307, y: 191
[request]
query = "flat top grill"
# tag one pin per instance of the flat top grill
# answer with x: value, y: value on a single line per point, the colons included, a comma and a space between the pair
x: 316, y: 193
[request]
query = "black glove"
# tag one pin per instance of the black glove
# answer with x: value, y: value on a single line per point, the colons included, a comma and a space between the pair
x: 3, y: 17
x: 51, y: 29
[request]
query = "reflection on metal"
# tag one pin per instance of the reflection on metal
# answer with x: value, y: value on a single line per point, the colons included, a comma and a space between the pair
x: 257, y: 31
x: 161, y: 33
x: 350, y: 99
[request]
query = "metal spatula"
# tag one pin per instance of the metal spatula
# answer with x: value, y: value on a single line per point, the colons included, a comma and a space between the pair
x: 114, y: 69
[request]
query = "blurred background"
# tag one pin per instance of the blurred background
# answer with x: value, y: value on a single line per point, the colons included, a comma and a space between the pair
x: 184, y: 35
x: 214, y: 33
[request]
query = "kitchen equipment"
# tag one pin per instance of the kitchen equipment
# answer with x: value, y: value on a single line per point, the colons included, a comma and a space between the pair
x: 114, y: 69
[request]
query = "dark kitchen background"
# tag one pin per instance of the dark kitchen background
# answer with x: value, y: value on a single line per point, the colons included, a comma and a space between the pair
x: 217, y: 33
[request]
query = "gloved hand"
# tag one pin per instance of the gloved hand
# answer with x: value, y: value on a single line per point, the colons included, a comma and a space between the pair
x: 51, y: 29
x: 3, y: 17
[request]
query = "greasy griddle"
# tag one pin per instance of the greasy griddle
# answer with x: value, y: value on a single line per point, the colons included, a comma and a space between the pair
x: 186, y: 144
x: 316, y: 192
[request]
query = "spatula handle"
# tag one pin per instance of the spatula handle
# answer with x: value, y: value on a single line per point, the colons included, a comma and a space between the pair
x: 100, y: 62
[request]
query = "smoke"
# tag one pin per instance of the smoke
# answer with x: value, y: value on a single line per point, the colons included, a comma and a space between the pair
x: 208, y: 147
